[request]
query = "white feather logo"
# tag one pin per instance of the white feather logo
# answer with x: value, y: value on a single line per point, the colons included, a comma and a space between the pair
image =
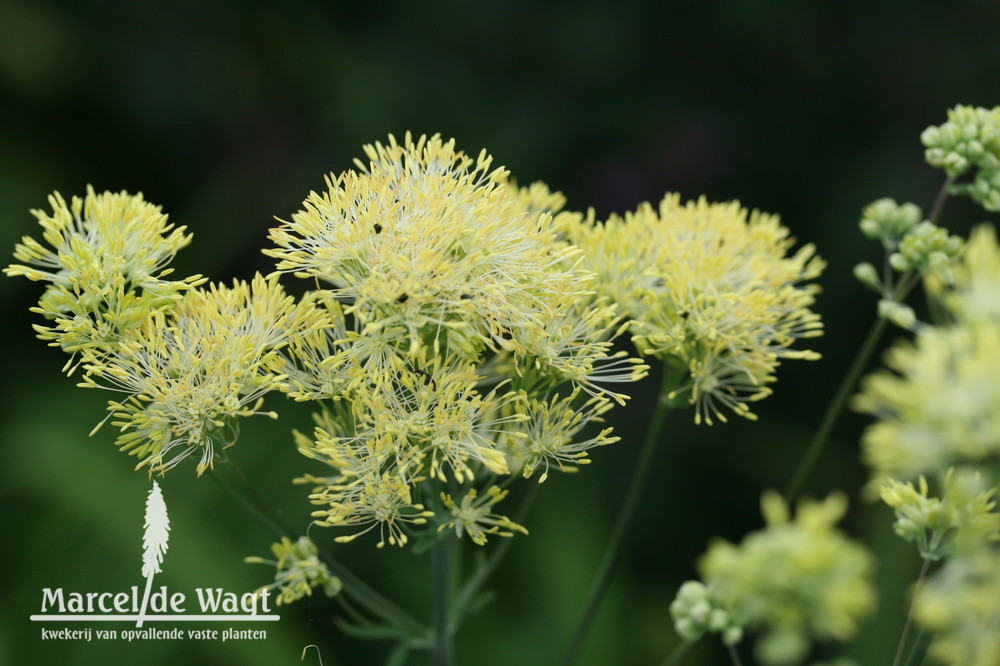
x: 154, y: 542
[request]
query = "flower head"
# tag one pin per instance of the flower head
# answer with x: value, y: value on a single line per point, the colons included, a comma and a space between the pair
x: 961, y: 520
x: 298, y: 570
x: 794, y: 580
x: 105, y: 259
x: 428, y: 238
x: 708, y: 287
x: 938, y: 404
x: 473, y: 516
x: 549, y: 434
x: 189, y: 374
x: 968, y: 140
x: 960, y: 605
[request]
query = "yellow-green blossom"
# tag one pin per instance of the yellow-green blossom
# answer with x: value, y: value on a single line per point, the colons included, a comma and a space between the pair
x: 709, y: 287
x: 456, y: 312
x: 793, y: 581
x: 105, y: 256
x: 362, y: 496
x: 425, y: 237
x: 473, y: 516
x: 549, y: 434
x: 960, y: 606
x: 961, y: 519
x: 298, y: 570
x: 938, y: 403
x: 189, y: 374
x: 971, y: 296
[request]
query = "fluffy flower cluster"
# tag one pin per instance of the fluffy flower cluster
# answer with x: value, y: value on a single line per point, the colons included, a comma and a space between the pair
x: 793, y: 581
x: 961, y: 606
x: 454, y: 314
x: 105, y: 257
x: 938, y: 404
x: 298, y: 570
x: 189, y: 374
x: 934, y: 447
x: 709, y: 287
x: 961, y: 520
x: 188, y: 361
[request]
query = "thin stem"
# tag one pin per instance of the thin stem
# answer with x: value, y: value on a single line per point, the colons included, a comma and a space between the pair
x: 734, y: 656
x: 833, y: 410
x: 835, y: 407
x: 612, y: 552
x: 680, y: 653
x: 942, y: 196
x: 366, y: 596
x: 485, y: 570
x: 443, y: 561
x: 909, y: 615
x: 919, y: 650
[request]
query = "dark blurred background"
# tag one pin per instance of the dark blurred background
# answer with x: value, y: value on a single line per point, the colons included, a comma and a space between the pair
x: 228, y: 113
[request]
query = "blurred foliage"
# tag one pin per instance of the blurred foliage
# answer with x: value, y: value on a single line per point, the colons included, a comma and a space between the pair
x: 228, y: 113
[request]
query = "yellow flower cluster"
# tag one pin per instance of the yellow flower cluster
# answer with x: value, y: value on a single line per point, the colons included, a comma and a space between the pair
x: 938, y: 405
x: 189, y: 374
x: 106, y: 259
x: 793, y: 581
x: 938, y: 411
x: 709, y: 287
x: 187, y: 361
x: 960, y: 606
x: 961, y: 520
x: 455, y: 312
x: 298, y: 570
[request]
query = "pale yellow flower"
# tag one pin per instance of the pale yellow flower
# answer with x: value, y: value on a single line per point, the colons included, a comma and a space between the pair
x: 551, y: 434
x: 297, y: 570
x: 709, y: 287
x: 189, y: 374
x: 796, y: 580
x: 474, y: 516
x: 427, y: 238
x: 960, y: 606
x: 938, y: 403
x: 106, y: 257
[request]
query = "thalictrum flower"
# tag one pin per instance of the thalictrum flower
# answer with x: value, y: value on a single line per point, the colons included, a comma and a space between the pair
x: 189, y: 374
x: 709, y: 287
x: 105, y: 257
x: 298, y: 570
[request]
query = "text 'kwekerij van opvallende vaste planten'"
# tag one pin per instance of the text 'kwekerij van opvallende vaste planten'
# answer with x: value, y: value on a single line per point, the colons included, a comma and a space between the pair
x: 462, y: 332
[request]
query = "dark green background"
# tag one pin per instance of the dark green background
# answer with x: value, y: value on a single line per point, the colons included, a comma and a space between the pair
x: 228, y: 113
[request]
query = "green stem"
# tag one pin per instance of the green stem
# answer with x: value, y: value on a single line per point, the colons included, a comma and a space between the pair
x: 835, y: 407
x: 909, y: 615
x: 942, y: 196
x: 734, y: 656
x: 919, y: 650
x: 680, y: 653
x: 443, y: 561
x: 485, y: 570
x: 612, y: 552
x: 366, y: 596
x: 833, y: 410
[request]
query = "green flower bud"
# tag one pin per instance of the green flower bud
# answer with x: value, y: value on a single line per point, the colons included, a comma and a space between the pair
x: 887, y: 221
x: 970, y: 138
x: 899, y: 314
x: 866, y: 274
